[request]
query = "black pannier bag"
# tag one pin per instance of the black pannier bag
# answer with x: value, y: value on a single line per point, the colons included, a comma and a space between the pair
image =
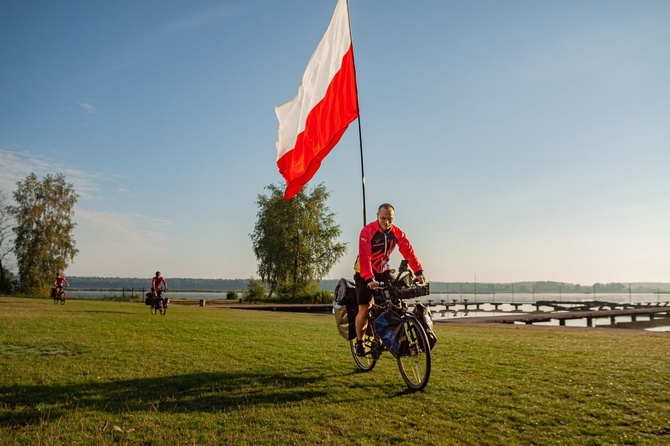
x: 345, y: 308
x: 425, y: 318
x: 148, y: 299
x: 345, y: 292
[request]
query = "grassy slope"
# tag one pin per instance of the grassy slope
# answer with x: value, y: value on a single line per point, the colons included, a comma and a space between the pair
x: 94, y: 372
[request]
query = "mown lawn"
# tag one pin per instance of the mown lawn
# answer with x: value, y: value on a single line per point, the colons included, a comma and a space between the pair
x: 93, y: 372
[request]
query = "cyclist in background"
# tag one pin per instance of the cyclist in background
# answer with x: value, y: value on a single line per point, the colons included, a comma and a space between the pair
x: 158, y: 284
x: 58, y: 283
x: 375, y: 245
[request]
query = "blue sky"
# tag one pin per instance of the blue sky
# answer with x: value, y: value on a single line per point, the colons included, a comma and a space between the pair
x: 518, y: 140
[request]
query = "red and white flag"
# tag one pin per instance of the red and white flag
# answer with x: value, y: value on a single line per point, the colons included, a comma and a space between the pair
x: 313, y: 122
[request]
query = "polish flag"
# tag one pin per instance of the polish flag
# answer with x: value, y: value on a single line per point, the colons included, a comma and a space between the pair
x: 313, y: 122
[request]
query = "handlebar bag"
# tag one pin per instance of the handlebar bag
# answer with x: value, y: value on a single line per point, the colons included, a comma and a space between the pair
x: 390, y: 330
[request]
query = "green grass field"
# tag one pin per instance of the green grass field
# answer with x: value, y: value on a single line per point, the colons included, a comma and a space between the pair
x: 93, y: 372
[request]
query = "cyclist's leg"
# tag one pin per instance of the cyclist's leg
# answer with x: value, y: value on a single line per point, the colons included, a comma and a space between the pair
x: 364, y: 298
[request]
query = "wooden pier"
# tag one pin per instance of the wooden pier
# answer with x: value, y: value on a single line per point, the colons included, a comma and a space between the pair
x: 564, y: 311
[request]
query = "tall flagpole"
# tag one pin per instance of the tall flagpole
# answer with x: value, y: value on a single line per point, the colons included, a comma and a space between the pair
x: 358, y: 110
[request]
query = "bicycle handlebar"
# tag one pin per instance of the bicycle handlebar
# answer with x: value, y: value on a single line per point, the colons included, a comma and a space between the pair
x: 390, y: 292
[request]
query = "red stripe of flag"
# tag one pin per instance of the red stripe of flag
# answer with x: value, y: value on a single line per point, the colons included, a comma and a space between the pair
x: 312, y: 123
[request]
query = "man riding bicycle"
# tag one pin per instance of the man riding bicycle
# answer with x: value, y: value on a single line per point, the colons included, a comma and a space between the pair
x: 158, y: 285
x: 58, y: 284
x: 375, y: 245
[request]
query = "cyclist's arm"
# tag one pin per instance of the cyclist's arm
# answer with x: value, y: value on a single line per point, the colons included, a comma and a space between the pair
x: 365, y: 255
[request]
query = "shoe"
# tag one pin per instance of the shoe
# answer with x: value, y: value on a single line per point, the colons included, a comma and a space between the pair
x: 360, y: 348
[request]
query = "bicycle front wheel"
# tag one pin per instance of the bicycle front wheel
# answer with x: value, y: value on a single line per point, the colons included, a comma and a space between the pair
x: 414, y: 365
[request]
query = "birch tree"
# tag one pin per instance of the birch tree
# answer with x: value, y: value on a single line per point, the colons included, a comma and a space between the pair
x: 44, y: 243
x: 6, y: 224
x: 295, y: 241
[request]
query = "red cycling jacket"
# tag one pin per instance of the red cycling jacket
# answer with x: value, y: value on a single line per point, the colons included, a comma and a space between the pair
x: 375, y: 247
x: 156, y: 283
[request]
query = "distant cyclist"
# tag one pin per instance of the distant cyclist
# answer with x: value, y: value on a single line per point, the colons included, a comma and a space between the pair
x: 158, y: 284
x: 58, y: 283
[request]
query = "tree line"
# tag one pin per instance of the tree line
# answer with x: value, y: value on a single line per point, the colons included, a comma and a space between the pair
x: 175, y: 284
x: 224, y: 285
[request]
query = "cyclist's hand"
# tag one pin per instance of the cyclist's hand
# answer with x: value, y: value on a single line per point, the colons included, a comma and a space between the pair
x: 372, y: 285
x: 421, y: 279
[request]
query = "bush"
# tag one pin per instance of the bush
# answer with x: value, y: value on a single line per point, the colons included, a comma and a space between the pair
x: 255, y: 290
x: 232, y: 294
x: 309, y: 294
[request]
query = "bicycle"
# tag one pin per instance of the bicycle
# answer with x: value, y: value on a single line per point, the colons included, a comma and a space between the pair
x: 413, y: 345
x: 160, y: 303
x: 59, y: 295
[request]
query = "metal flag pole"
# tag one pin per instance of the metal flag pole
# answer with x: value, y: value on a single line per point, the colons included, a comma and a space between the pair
x: 358, y: 111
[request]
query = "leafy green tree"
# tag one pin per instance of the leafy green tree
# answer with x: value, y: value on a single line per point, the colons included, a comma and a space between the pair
x: 295, y: 241
x: 44, y: 244
x: 255, y: 290
x: 6, y: 224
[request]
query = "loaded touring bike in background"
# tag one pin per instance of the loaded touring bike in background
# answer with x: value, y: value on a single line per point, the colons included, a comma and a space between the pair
x: 158, y: 302
x: 407, y: 335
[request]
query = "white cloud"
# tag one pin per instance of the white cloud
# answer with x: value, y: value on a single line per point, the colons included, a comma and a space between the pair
x: 114, y: 242
x: 17, y: 163
x: 88, y: 108
x: 197, y: 20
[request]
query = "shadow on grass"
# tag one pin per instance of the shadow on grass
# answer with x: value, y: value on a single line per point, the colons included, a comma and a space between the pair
x: 197, y: 392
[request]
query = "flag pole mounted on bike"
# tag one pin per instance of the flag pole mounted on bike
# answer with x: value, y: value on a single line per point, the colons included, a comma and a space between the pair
x: 313, y: 122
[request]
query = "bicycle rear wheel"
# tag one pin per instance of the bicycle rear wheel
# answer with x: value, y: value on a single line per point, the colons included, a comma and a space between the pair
x: 153, y: 306
x: 415, y: 365
x: 367, y: 362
